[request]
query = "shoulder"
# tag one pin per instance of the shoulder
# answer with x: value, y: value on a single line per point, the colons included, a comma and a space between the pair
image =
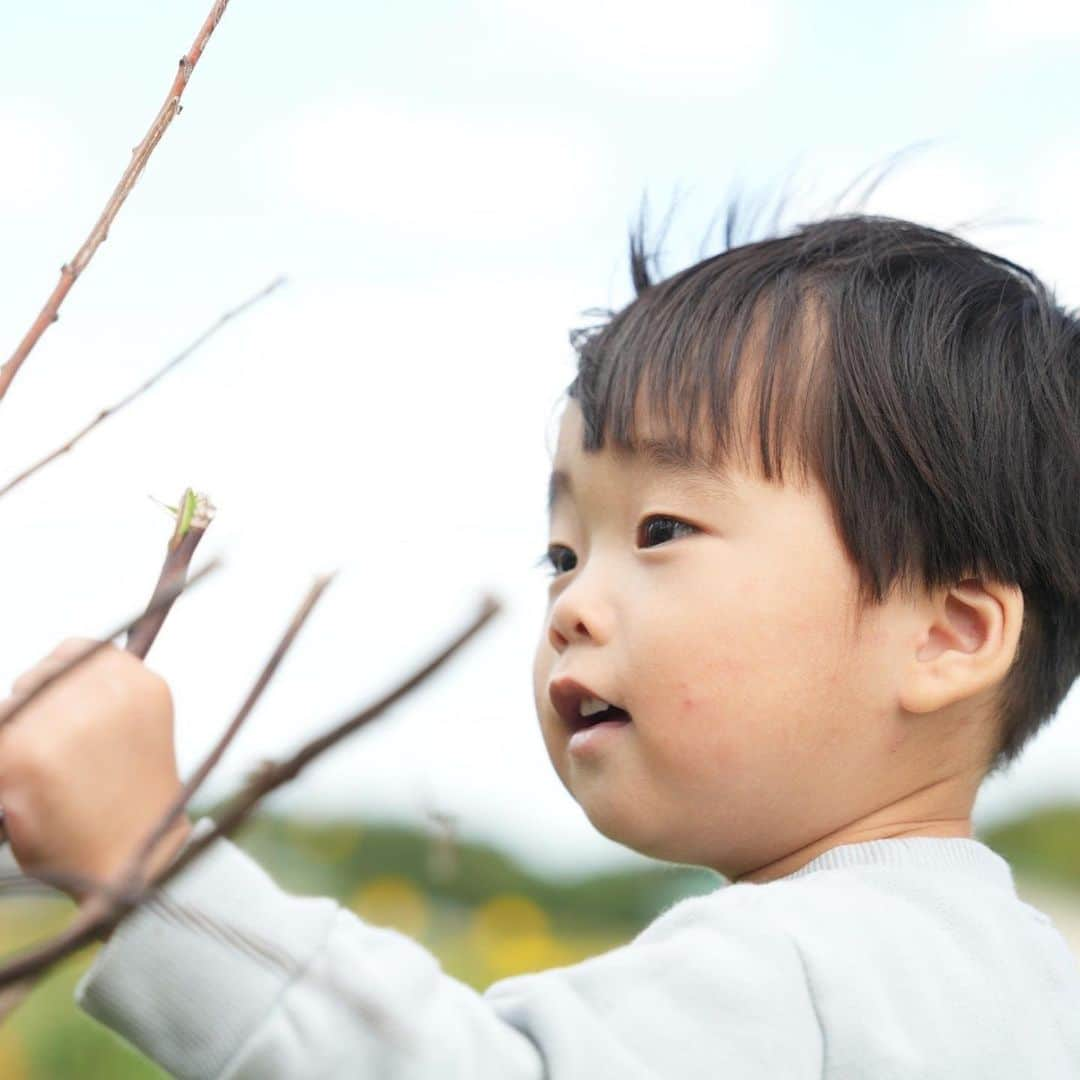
x: 697, y: 948
x: 705, y: 980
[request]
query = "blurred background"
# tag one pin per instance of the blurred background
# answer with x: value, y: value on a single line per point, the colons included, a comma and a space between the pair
x: 448, y: 188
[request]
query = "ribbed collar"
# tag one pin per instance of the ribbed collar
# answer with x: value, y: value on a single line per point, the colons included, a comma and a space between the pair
x: 927, y: 852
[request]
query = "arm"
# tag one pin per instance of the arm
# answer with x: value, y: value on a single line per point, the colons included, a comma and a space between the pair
x: 700, y: 994
x: 306, y: 989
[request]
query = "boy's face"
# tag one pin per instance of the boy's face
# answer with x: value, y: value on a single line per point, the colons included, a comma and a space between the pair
x: 761, y: 719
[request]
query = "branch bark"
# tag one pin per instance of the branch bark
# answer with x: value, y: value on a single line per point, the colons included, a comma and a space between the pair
x: 70, y: 271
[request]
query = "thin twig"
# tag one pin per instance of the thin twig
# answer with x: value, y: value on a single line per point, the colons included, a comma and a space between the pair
x: 117, y: 406
x: 273, y: 774
x: 70, y: 271
x: 132, y: 875
x: 100, y: 916
x: 13, y: 706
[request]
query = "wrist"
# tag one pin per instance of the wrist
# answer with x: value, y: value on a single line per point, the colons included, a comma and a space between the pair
x: 93, y: 905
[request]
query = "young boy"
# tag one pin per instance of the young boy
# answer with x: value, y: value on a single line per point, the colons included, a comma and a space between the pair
x: 815, y: 575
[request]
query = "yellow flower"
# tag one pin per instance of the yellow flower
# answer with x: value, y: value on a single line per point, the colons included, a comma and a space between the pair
x: 394, y: 901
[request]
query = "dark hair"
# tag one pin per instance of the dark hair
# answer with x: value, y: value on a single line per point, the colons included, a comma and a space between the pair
x: 935, y: 390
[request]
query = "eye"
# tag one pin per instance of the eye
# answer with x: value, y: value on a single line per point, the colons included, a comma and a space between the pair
x: 660, y: 528
x: 559, y: 559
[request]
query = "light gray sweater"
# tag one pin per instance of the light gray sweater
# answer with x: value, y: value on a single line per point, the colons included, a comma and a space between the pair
x: 902, y: 959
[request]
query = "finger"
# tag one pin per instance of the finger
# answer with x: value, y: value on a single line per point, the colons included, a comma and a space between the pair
x: 30, y: 680
x: 72, y: 647
x: 67, y: 651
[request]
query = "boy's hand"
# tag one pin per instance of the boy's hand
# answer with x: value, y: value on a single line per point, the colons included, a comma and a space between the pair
x: 88, y: 768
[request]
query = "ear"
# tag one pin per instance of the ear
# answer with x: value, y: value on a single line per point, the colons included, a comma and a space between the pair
x: 966, y: 644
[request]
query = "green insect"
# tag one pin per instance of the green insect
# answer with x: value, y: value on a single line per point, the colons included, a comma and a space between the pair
x: 183, y: 513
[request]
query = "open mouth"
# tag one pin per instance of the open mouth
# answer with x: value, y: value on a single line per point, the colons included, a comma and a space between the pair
x: 581, y: 707
x: 611, y: 713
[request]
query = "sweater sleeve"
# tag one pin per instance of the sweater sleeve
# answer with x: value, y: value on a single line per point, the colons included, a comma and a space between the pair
x: 231, y: 977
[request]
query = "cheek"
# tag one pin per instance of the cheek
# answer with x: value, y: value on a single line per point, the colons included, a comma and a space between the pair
x: 543, y: 663
x: 721, y: 706
x: 698, y: 727
x: 787, y: 638
x: 691, y: 722
x: 543, y: 660
x: 702, y: 671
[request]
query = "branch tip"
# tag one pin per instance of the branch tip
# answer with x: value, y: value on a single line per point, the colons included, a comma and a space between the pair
x: 203, y: 512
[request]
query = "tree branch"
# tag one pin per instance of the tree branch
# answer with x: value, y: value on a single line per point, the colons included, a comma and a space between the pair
x: 193, y: 516
x: 70, y: 271
x: 117, y: 406
x: 273, y: 774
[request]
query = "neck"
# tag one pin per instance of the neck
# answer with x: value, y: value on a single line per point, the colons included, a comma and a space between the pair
x: 796, y: 860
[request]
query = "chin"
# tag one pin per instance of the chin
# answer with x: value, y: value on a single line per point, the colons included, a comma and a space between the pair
x: 647, y: 839
x: 625, y: 827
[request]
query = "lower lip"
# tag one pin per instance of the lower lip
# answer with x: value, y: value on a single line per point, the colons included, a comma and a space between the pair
x: 590, y: 738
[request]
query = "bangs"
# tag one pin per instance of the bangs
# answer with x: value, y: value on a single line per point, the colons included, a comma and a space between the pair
x: 716, y: 366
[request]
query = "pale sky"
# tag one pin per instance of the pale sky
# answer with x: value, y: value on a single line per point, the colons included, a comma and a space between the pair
x: 448, y: 188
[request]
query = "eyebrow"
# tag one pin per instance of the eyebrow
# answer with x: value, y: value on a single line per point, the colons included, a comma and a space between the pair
x: 666, y: 456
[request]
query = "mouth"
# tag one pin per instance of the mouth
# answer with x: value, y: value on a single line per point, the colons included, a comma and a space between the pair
x: 581, y: 708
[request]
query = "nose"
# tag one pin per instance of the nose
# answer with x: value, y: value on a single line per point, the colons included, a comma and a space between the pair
x: 580, y: 614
